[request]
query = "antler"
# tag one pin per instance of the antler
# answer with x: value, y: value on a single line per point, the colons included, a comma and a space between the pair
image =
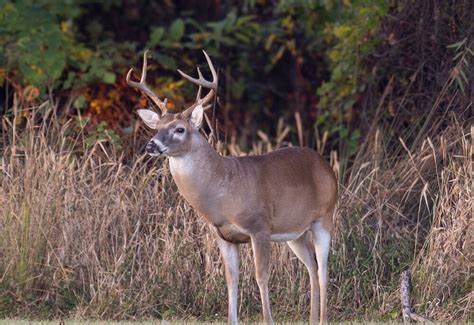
x: 201, y: 82
x: 144, y: 87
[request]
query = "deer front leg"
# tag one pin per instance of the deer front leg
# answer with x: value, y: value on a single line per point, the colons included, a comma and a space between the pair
x: 261, y: 253
x: 230, y: 256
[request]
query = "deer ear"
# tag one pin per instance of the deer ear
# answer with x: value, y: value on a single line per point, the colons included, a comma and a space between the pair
x: 196, y: 116
x: 149, y: 117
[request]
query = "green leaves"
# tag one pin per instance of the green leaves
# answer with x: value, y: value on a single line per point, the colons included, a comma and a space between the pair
x: 39, y: 44
x: 166, y: 61
x: 350, y: 47
x: 176, y: 30
x: 79, y: 102
x: 108, y: 77
x: 170, y: 38
x: 258, y: 44
x: 463, y: 57
x: 34, y: 42
x: 156, y: 36
x: 457, y: 45
x: 103, y: 134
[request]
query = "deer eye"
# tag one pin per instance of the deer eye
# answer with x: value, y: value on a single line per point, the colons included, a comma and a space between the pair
x: 179, y: 130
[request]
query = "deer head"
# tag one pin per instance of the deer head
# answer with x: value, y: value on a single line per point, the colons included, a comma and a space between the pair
x: 175, y: 133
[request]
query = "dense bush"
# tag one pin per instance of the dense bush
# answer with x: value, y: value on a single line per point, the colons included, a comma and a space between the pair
x: 272, y: 58
x: 320, y: 59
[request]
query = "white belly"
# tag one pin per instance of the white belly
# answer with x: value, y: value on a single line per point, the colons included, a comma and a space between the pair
x: 286, y: 236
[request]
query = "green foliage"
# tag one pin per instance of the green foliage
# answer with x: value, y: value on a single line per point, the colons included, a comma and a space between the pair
x: 217, y: 37
x: 38, y: 43
x: 103, y: 133
x: 353, y: 39
x: 268, y: 54
x: 33, y: 38
x: 463, y: 55
x: 248, y: 49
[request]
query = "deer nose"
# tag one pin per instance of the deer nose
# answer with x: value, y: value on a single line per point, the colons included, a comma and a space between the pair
x: 151, y: 147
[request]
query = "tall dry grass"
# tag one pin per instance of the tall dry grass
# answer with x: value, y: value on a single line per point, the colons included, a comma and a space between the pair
x: 85, y: 235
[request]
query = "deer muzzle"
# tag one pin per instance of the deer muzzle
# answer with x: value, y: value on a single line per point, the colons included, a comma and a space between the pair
x: 152, y: 147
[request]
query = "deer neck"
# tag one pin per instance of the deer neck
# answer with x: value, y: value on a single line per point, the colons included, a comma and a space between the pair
x: 196, y: 175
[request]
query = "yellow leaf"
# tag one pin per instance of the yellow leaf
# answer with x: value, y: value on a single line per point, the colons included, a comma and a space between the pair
x: 65, y: 26
x: 269, y: 41
x: 30, y: 93
x: 85, y: 54
x: 341, y: 31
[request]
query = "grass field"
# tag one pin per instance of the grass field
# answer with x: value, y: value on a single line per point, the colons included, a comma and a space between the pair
x: 157, y: 322
x: 75, y: 322
x: 87, y: 234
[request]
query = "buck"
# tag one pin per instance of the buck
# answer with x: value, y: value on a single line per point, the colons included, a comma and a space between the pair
x: 284, y: 196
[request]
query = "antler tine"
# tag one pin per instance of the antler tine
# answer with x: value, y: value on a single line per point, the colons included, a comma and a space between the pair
x: 144, y: 87
x: 213, y: 71
x: 201, y: 82
x: 198, y: 95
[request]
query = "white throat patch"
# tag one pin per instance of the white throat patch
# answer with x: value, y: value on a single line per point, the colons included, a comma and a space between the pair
x: 182, y: 165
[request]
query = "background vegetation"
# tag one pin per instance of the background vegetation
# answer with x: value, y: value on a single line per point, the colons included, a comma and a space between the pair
x: 92, y: 228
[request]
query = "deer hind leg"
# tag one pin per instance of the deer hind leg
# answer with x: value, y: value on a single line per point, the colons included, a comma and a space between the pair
x: 230, y: 256
x: 322, y: 242
x: 304, y: 250
x: 261, y: 253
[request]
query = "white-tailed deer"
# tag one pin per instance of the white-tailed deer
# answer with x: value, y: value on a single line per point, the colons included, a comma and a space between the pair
x: 281, y: 196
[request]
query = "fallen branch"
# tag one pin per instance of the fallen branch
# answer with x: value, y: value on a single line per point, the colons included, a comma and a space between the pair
x: 418, y: 318
x: 407, y: 314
